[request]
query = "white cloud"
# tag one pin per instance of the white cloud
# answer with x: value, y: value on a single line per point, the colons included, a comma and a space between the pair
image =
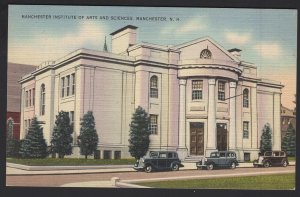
x: 269, y: 50
x: 190, y: 26
x: 195, y: 24
x: 237, y: 38
x: 44, y: 46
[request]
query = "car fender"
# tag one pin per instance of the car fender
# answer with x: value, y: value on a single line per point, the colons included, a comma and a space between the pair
x: 149, y: 163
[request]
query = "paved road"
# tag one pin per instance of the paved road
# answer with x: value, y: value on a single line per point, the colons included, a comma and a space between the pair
x: 59, y: 180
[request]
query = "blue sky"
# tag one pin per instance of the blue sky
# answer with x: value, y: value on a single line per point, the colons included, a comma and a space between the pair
x: 267, y: 37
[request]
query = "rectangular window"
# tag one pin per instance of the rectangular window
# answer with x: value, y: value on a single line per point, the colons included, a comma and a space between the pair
x: 33, y: 96
x: 246, y: 156
x: 29, y: 97
x: 71, y: 116
x: 117, y: 154
x: 197, y: 86
x: 62, y: 87
x: 73, y: 84
x: 221, y: 90
x: 245, y: 130
x: 25, y: 127
x: 68, y: 85
x: 26, y: 99
x: 106, y: 154
x: 153, y: 124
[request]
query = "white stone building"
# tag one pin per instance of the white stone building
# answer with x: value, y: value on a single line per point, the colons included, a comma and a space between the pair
x: 200, y: 96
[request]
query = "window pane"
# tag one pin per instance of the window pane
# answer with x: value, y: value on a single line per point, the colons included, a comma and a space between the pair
x: 62, y: 87
x: 197, y: 86
x: 246, y: 130
x: 153, y: 124
x: 221, y: 90
x: 153, y: 87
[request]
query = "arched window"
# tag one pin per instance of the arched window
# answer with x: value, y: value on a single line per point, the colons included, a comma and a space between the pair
x: 246, y: 98
x: 205, y: 54
x: 153, y: 87
x: 42, y: 101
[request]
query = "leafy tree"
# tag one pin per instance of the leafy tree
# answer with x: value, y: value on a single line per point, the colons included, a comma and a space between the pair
x: 266, y: 139
x: 88, y: 138
x: 34, y: 144
x: 139, y: 133
x: 12, y: 145
x: 62, y: 139
x: 289, y: 141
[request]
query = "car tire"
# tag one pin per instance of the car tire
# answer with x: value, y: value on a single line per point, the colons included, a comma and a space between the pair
x: 267, y: 164
x: 175, y: 167
x: 284, y: 163
x: 148, y: 168
x: 210, y: 166
x: 233, y: 165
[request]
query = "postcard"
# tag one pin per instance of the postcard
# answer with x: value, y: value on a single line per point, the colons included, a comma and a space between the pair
x: 204, y: 96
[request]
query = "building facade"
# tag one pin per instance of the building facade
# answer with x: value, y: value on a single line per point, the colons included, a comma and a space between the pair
x: 14, y: 73
x: 200, y: 96
x: 288, y: 116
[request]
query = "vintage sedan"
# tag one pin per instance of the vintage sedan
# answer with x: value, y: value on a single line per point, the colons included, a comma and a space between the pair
x: 158, y: 160
x: 272, y: 158
x: 218, y: 159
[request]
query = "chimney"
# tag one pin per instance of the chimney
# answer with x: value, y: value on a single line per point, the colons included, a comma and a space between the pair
x: 236, y: 52
x: 123, y: 38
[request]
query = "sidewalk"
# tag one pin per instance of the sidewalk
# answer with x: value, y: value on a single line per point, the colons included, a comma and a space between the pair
x: 17, y: 169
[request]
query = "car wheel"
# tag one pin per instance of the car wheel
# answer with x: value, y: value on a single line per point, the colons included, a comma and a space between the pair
x: 267, y: 164
x: 284, y: 163
x: 175, y: 167
x: 210, y: 166
x: 148, y: 169
x: 233, y: 165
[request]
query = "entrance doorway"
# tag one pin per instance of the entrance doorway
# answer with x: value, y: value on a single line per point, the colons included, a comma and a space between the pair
x: 197, y: 138
x: 221, y: 136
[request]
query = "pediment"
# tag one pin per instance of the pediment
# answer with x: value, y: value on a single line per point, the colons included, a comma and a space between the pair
x: 193, y: 49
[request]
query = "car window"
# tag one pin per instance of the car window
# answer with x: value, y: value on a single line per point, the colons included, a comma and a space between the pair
x: 230, y: 154
x: 268, y: 153
x: 153, y: 155
x: 222, y: 154
x: 163, y: 155
x: 170, y: 155
x: 276, y: 154
x: 214, y: 155
x: 282, y: 154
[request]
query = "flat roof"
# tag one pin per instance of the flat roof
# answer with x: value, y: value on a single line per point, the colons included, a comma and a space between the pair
x: 123, y: 28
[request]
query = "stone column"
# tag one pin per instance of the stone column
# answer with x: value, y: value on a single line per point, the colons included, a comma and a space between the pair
x: 276, y: 130
x: 232, y: 103
x: 211, y: 118
x: 182, y: 150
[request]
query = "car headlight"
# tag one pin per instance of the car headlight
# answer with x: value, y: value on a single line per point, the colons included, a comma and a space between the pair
x: 143, y: 160
x: 205, y: 159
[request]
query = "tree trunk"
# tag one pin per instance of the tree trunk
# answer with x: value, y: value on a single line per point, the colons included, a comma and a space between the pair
x: 85, y: 156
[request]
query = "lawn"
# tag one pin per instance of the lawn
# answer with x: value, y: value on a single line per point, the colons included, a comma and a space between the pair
x: 70, y: 161
x: 263, y: 182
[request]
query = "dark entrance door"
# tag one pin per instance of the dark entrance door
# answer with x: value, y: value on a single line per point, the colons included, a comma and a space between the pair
x: 197, y: 138
x: 221, y: 136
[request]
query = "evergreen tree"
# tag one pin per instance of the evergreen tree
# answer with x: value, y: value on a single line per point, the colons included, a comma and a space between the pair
x: 139, y: 133
x: 62, y: 139
x: 289, y: 141
x: 88, y: 138
x: 34, y: 144
x: 266, y: 139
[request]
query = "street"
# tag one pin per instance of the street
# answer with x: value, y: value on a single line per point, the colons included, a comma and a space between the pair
x: 61, y: 179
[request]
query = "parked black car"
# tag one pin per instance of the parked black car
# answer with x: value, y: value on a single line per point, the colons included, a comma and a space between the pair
x: 272, y: 158
x: 218, y: 159
x: 158, y: 160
